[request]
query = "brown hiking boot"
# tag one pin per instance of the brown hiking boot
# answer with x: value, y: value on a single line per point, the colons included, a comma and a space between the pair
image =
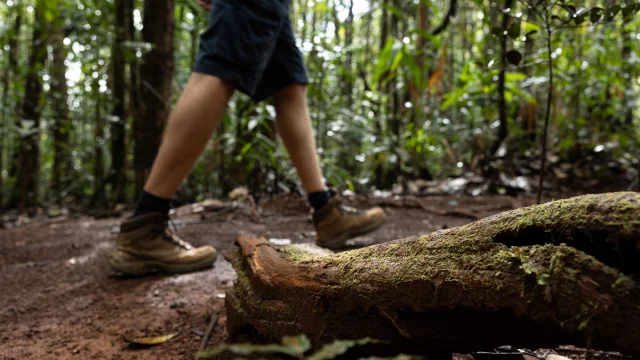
x: 336, y: 223
x: 146, y: 245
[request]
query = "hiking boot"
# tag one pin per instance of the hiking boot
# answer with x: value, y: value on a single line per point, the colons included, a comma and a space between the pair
x: 146, y: 245
x: 336, y: 223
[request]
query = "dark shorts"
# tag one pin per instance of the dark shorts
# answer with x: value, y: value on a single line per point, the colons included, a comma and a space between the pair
x: 251, y: 43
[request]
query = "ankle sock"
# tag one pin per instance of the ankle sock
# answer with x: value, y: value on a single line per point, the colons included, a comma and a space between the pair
x: 149, y: 203
x: 319, y: 199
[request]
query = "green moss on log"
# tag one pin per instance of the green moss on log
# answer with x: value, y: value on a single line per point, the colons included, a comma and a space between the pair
x: 472, y: 246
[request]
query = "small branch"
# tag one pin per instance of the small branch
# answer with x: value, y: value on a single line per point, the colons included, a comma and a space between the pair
x: 453, y: 6
x: 207, y: 334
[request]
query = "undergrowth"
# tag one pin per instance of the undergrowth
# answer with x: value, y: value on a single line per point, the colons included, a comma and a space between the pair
x: 297, y: 347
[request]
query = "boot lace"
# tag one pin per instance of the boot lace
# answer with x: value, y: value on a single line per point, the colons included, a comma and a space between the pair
x: 166, y: 233
x: 347, y: 210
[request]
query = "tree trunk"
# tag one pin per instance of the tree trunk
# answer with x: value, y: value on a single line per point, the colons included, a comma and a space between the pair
x: 14, y: 198
x: 528, y: 111
x: 119, y: 112
x: 157, y: 73
x: 502, y: 103
x: 560, y: 273
x: 384, y: 34
x: 395, y: 118
x: 9, y: 79
x: 629, y: 98
x: 348, y: 64
x: 62, y: 123
x: 29, y: 157
x: 421, y: 59
x: 99, y: 198
x: 336, y: 22
x: 133, y: 90
x: 303, y: 16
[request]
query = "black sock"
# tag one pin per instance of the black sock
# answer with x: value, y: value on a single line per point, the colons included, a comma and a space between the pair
x: 149, y: 203
x: 319, y: 199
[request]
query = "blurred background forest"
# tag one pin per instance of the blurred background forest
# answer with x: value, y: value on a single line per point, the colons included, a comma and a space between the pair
x: 403, y: 92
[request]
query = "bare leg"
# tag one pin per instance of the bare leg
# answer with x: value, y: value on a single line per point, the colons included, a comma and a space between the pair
x: 294, y: 126
x: 190, y: 126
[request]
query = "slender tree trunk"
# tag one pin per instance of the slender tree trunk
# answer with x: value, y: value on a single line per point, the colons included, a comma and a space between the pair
x: 119, y: 112
x: 9, y: 78
x: 191, y: 181
x: 99, y: 200
x: 367, y: 48
x: 502, y: 103
x: 394, y: 123
x: 528, y: 111
x: 629, y: 97
x: 62, y: 123
x: 29, y: 157
x: 157, y: 75
x: 348, y: 63
x: 384, y: 34
x: 303, y: 16
x: 423, y: 26
x: 133, y: 89
x: 194, y: 43
x: 312, y: 57
x: 336, y: 22
x: 548, y: 113
x: 14, y: 143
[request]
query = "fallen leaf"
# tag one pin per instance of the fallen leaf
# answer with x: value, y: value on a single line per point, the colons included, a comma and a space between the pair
x: 152, y: 340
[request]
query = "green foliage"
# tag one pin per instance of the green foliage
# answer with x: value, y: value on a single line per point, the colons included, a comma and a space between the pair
x: 387, y: 101
x: 291, y: 347
x: 294, y: 346
x: 337, y: 348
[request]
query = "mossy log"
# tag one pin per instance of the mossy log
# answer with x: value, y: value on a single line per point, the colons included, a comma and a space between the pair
x: 565, y: 272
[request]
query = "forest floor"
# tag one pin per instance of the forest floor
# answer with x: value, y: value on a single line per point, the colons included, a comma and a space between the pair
x: 59, y: 300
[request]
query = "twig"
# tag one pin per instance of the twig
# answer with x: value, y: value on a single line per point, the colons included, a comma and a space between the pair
x: 207, y: 334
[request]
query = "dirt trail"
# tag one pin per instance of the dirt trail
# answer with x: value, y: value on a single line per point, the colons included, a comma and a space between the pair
x: 59, y: 300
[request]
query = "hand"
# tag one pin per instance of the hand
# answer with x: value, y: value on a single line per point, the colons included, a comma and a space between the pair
x: 205, y: 4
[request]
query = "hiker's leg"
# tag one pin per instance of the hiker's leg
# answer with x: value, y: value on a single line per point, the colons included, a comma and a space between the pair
x: 237, y: 44
x: 195, y: 116
x: 294, y: 126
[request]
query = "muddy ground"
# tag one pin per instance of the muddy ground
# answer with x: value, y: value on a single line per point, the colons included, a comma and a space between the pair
x: 59, y: 300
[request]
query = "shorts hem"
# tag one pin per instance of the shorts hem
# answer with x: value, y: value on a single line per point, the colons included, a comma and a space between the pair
x: 225, y: 72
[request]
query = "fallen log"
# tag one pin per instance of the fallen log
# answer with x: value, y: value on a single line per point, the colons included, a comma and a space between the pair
x: 564, y: 272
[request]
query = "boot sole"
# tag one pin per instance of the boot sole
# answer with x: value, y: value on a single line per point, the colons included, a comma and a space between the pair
x: 338, y: 243
x: 148, y: 267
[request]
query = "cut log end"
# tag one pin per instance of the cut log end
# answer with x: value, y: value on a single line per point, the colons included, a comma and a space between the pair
x: 558, y: 273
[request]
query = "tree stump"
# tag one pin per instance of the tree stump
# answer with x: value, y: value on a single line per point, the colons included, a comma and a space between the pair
x: 565, y: 272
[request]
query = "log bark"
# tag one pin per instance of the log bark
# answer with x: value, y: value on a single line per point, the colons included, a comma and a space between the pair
x: 564, y: 272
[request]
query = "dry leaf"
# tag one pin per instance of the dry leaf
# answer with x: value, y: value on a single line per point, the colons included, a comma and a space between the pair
x: 152, y: 340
